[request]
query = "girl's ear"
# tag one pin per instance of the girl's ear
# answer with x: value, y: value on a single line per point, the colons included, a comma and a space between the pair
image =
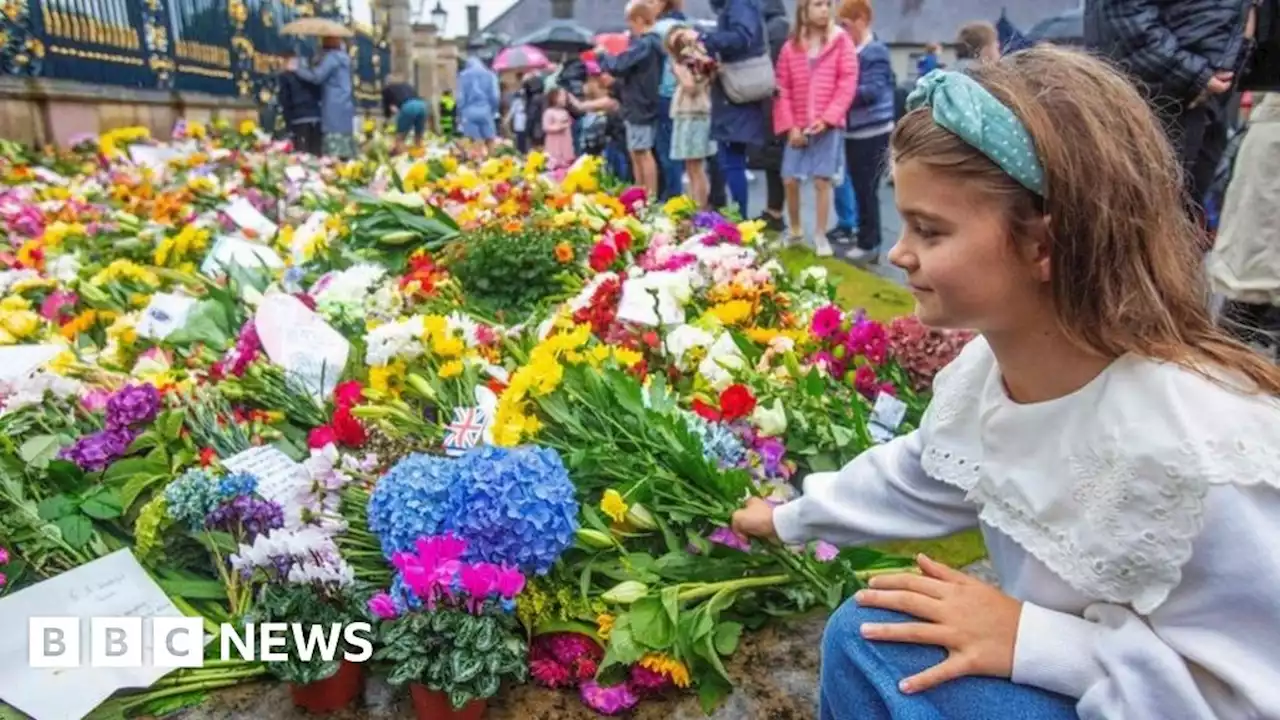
x: 1042, y: 249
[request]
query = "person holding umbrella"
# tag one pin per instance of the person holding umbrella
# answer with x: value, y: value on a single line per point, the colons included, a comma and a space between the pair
x: 338, y: 103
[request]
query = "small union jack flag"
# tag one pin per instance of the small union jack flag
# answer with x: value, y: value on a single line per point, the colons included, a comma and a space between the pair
x: 465, y: 431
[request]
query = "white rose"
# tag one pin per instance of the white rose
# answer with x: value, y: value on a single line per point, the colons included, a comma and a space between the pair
x: 770, y: 421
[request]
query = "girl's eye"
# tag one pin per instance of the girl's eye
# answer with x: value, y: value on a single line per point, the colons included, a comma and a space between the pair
x: 924, y: 232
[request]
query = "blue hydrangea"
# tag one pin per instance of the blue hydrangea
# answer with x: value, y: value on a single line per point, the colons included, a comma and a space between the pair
x: 513, y: 506
x: 191, y: 498
x: 233, y: 486
x: 719, y: 443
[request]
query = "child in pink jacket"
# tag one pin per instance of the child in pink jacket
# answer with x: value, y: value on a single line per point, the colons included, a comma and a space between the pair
x: 817, y: 75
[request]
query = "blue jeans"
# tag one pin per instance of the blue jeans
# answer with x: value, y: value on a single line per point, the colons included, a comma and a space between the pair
x: 858, y: 197
x: 860, y: 680
x: 733, y: 164
x: 412, y: 117
x: 615, y: 158
x: 670, y: 172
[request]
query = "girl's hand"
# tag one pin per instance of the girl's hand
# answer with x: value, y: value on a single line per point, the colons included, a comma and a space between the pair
x: 797, y: 138
x: 755, y: 519
x: 817, y: 127
x: 975, y: 622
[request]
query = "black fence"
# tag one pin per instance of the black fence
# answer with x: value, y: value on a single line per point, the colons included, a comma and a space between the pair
x: 222, y: 47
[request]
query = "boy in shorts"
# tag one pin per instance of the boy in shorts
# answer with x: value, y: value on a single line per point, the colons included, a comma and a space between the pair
x: 639, y: 71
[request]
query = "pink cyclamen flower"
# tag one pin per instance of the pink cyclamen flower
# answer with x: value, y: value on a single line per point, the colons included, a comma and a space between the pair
x: 824, y: 551
x: 478, y: 580
x: 383, y: 606
x: 510, y: 582
x: 826, y: 321
x: 4, y: 556
x: 608, y: 700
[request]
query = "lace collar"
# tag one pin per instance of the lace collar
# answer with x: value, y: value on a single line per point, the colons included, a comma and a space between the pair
x: 1107, y: 486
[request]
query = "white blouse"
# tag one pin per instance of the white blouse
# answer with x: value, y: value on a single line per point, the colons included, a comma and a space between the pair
x: 1138, y: 519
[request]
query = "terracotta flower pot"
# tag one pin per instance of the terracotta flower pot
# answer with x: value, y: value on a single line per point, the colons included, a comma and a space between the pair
x: 434, y: 705
x: 333, y: 693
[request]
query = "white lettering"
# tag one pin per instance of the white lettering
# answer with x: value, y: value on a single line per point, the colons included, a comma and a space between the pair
x: 306, y: 646
x: 244, y: 644
x: 352, y: 635
x: 272, y: 635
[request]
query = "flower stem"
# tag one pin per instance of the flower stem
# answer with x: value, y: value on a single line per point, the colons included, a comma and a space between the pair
x: 710, y: 589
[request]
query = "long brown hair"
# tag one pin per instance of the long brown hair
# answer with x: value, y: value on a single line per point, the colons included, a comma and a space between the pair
x: 1127, y: 275
x: 801, y: 27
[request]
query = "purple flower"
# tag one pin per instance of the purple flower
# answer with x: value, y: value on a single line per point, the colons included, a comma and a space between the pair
x: 771, y: 451
x: 96, y: 451
x: 252, y: 514
x: 727, y: 537
x: 707, y: 219
x: 825, y: 551
x: 133, y: 405
x: 608, y: 700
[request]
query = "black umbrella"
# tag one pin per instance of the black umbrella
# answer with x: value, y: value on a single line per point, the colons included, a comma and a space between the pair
x: 560, y: 36
x: 1063, y: 29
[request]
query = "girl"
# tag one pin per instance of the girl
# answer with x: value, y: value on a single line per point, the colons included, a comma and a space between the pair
x: 557, y: 126
x: 1120, y: 454
x: 691, y: 109
x: 817, y: 75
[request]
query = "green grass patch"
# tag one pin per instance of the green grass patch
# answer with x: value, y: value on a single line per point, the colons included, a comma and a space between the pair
x: 885, y: 300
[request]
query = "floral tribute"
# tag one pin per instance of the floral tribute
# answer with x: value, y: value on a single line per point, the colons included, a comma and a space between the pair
x: 629, y: 372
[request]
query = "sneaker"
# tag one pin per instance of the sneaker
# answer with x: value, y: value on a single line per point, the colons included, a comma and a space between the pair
x: 859, y: 256
x: 772, y: 223
x: 793, y: 240
x: 822, y: 247
x: 840, y: 236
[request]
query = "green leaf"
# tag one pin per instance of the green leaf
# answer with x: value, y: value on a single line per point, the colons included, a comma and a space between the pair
x: 712, y: 691
x: 39, y: 450
x: 171, y: 424
x: 67, y: 476
x: 650, y: 624
x: 56, y: 507
x: 102, y: 504
x: 135, y: 487
x: 843, y: 435
x: 706, y: 649
x: 122, y: 470
x: 464, y: 665
x: 671, y: 603
x: 193, y: 589
x: 622, y: 649
x: 726, y: 637
x: 76, y: 530
x: 823, y: 462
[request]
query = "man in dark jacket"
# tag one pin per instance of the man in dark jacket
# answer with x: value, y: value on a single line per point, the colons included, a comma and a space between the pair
x: 299, y: 103
x: 1186, y: 55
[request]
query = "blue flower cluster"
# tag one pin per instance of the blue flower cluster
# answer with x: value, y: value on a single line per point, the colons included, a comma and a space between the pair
x: 719, y: 443
x: 191, y: 498
x: 513, y: 506
x: 237, y: 484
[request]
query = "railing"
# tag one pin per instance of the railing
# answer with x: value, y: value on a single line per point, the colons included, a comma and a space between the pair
x: 223, y: 47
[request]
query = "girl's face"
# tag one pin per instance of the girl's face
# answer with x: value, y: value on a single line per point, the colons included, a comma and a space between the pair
x: 961, y: 265
x: 818, y: 12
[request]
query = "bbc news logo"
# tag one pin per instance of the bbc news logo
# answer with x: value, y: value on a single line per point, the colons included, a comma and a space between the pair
x: 178, y: 642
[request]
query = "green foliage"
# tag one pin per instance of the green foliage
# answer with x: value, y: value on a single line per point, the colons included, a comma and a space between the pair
x: 512, y: 274
x: 315, y: 610
x: 464, y: 656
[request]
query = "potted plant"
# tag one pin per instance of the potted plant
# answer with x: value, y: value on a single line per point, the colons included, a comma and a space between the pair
x: 449, y: 631
x: 309, y: 585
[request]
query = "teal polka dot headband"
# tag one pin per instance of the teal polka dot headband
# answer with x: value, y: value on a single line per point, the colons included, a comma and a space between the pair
x: 965, y: 108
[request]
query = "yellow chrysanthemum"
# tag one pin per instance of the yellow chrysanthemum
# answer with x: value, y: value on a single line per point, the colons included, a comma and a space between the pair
x: 613, y: 505
x: 732, y: 312
x: 416, y: 177
x: 604, y: 625
x: 750, y: 230
x: 387, y: 380
x: 679, y: 206
x: 451, y: 369
x: 668, y: 666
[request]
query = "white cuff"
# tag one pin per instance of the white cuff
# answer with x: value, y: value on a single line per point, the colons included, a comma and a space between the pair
x: 788, y: 522
x: 1055, y: 651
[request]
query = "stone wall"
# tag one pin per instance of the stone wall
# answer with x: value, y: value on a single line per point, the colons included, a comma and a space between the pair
x: 41, y: 111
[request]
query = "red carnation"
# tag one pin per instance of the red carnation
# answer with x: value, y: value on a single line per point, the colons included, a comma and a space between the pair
x: 621, y: 239
x: 348, y: 394
x: 705, y: 411
x: 603, y: 255
x: 347, y: 428
x: 319, y: 437
x: 736, y: 402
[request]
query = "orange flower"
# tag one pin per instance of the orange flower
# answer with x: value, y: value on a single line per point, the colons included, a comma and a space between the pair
x: 31, y: 255
x: 512, y: 226
x: 564, y: 253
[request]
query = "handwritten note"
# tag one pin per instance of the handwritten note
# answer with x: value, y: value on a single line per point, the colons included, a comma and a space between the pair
x: 19, y: 361
x: 165, y: 313
x: 279, y: 477
x: 113, y: 586
x: 243, y: 213
x: 886, y: 416
x: 230, y: 250
x: 302, y: 343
